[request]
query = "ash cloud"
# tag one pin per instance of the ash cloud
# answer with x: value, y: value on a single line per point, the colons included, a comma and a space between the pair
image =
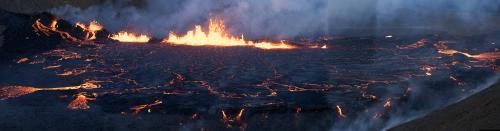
x: 292, y: 18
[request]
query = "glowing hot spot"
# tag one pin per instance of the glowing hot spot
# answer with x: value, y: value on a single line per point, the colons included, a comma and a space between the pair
x: 130, y: 37
x: 90, y: 29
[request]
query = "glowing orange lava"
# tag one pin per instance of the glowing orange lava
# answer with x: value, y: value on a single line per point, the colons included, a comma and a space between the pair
x: 80, y: 103
x: 39, y: 27
x: 130, y: 37
x: 137, y: 109
x: 90, y: 29
x: 9, y: 92
x: 415, y: 45
x: 229, y: 120
x: 443, y: 49
x: 340, y: 112
x: 16, y: 91
x: 22, y: 60
x: 217, y: 36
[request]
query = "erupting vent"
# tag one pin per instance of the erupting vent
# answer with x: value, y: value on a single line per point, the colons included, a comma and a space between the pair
x: 217, y: 36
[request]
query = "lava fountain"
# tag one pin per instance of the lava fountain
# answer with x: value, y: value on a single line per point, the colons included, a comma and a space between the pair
x: 130, y: 37
x: 90, y: 29
x: 218, y: 36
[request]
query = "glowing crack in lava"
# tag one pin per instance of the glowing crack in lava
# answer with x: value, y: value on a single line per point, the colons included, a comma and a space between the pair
x: 137, y: 109
x: 443, y: 49
x: 90, y: 29
x: 130, y: 37
x: 217, y: 36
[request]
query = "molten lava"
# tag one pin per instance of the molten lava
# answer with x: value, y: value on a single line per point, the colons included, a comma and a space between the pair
x: 16, y: 91
x: 9, y: 92
x: 340, y: 112
x: 39, y: 27
x: 80, y: 103
x: 229, y: 120
x: 22, y: 60
x: 130, y: 37
x: 137, y: 109
x: 90, y: 29
x: 217, y: 36
x: 415, y: 45
x: 443, y: 49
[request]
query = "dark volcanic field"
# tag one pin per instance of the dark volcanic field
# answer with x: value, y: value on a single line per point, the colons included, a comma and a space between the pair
x: 478, y: 112
x: 375, y: 81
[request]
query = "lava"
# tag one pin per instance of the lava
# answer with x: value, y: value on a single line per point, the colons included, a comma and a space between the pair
x: 129, y: 37
x: 72, y: 72
x: 39, y: 27
x: 16, y: 91
x: 80, y: 103
x: 22, y: 60
x: 9, y: 92
x: 387, y: 103
x: 217, y: 36
x: 415, y: 45
x: 443, y: 49
x: 232, y: 120
x: 137, y: 109
x: 63, y: 54
x: 486, y: 56
x: 340, y: 112
x: 428, y: 69
x: 90, y: 29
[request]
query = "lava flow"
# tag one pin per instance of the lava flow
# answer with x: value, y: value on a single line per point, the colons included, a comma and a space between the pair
x: 443, y: 49
x: 39, y: 27
x: 9, y: 92
x: 137, y: 109
x: 217, y: 36
x: 130, y: 37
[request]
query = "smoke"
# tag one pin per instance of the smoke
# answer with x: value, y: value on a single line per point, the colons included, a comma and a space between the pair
x: 1, y: 36
x: 292, y: 18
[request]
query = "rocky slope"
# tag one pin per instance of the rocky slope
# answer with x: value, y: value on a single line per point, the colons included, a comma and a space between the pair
x: 478, y: 112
